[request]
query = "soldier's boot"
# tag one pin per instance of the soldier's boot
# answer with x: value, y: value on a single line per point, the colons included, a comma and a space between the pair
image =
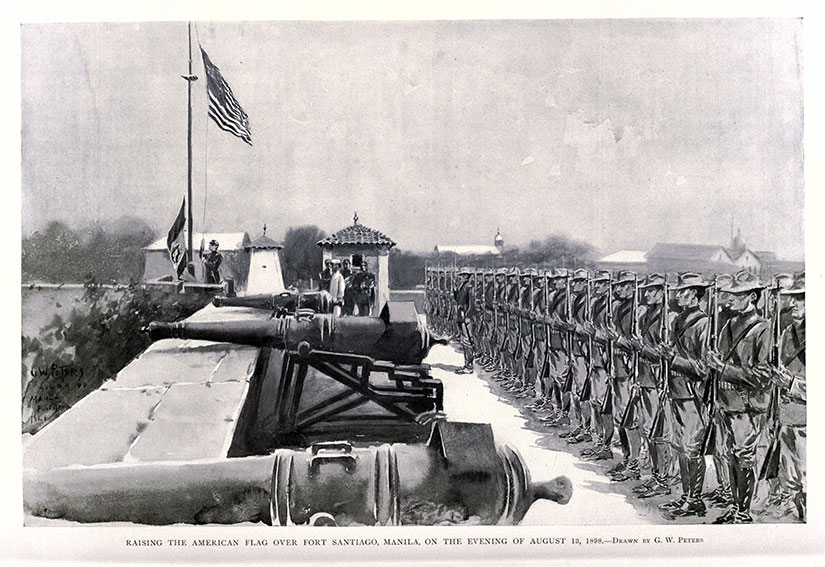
x: 659, y: 487
x: 722, y: 497
x: 618, y: 468
x: 692, y: 506
x: 630, y: 472
x: 603, y: 454
x: 674, y: 504
x: 800, y: 501
x: 746, y: 484
x: 645, y: 485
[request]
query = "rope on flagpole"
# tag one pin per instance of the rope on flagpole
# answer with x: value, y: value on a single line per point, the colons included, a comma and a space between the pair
x: 205, y: 154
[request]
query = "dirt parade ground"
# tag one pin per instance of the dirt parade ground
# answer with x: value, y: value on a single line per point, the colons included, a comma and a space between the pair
x: 596, y: 498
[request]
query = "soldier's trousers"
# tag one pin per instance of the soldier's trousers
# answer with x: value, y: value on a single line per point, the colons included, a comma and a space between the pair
x: 558, y: 373
x: 467, y: 346
x: 721, y: 462
x: 740, y: 433
x: 793, y: 458
x: 688, y: 436
x: 661, y: 456
x: 629, y: 434
x: 581, y: 407
x: 603, y: 422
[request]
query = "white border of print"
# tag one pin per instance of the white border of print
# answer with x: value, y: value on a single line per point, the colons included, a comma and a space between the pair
x: 751, y: 545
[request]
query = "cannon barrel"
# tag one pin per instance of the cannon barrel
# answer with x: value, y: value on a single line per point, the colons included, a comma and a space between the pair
x: 459, y: 477
x: 403, y: 341
x: 289, y: 301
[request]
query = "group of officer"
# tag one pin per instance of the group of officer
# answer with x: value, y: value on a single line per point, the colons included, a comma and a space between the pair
x: 349, y: 290
x: 678, y: 367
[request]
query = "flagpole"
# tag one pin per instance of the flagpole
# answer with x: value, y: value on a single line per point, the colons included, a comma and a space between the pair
x: 189, y: 146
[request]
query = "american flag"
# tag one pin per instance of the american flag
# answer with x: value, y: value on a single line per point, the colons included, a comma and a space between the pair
x: 223, y: 107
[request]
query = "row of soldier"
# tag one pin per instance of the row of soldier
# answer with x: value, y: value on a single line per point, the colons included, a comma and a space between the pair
x: 678, y: 368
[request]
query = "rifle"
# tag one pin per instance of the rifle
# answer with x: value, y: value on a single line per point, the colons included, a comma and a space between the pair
x: 568, y: 381
x: 607, y: 401
x: 770, y: 466
x: 709, y: 441
x: 584, y: 394
x: 631, y: 409
x: 658, y: 425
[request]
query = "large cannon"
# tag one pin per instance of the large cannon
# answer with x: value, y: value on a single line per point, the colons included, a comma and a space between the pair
x: 397, y: 336
x: 458, y: 477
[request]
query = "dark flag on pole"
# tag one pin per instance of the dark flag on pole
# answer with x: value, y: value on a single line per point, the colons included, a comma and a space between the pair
x: 176, y: 241
x: 224, y: 109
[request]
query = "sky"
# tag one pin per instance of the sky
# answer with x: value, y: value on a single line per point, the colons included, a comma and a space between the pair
x: 620, y: 133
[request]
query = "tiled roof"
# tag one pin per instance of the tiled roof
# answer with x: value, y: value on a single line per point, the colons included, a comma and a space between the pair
x: 264, y: 243
x: 357, y: 234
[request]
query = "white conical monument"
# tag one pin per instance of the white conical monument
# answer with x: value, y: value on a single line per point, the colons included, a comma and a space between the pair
x: 265, y: 274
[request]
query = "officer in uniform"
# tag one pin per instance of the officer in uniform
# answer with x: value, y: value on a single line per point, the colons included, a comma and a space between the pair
x: 596, y: 328
x: 465, y: 311
x: 212, y: 263
x: 790, y: 379
x: 349, y: 291
x: 651, y: 326
x: 743, y: 395
x: 325, y: 276
x: 688, y: 375
x: 363, y: 286
x: 624, y: 381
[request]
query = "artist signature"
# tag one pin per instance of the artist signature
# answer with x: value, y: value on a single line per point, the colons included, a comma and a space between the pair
x: 55, y: 370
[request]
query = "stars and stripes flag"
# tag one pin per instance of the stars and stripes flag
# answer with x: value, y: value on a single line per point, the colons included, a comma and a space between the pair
x: 176, y: 241
x: 224, y: 108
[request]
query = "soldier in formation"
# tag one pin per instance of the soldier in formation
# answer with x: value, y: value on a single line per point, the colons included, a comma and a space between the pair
x: 679, y: 371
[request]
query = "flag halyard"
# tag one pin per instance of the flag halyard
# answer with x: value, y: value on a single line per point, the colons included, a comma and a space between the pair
x: 224, y: 108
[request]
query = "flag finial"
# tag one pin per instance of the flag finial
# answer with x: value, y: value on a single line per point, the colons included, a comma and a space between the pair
x: 264, y: 229
x: 355, y: 218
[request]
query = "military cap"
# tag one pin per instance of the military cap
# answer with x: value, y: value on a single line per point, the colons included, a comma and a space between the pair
x: 785, y: 281
x: 744, y: 282
x: 512, y: 273
x: 580, y: 274
x: 214, y: 242
x: 465, y: 271
x: 601, y: 276
x: 798, y: 287
x: 530, y: 272
x: 501, y: 272
x: 335, y: 261
x: 653, y: 280
x: 624, y: 276
x: 559, y: 273
x: 690, y: 279
x: 723, y: 281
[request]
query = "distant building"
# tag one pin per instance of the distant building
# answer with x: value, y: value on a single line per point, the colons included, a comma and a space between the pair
x: 361, y: 244
x: 232, y: 247
x: 473, y: 249
x: 706, y: 259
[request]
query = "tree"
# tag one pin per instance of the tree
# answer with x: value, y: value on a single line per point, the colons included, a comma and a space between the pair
x: 301, y: 256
